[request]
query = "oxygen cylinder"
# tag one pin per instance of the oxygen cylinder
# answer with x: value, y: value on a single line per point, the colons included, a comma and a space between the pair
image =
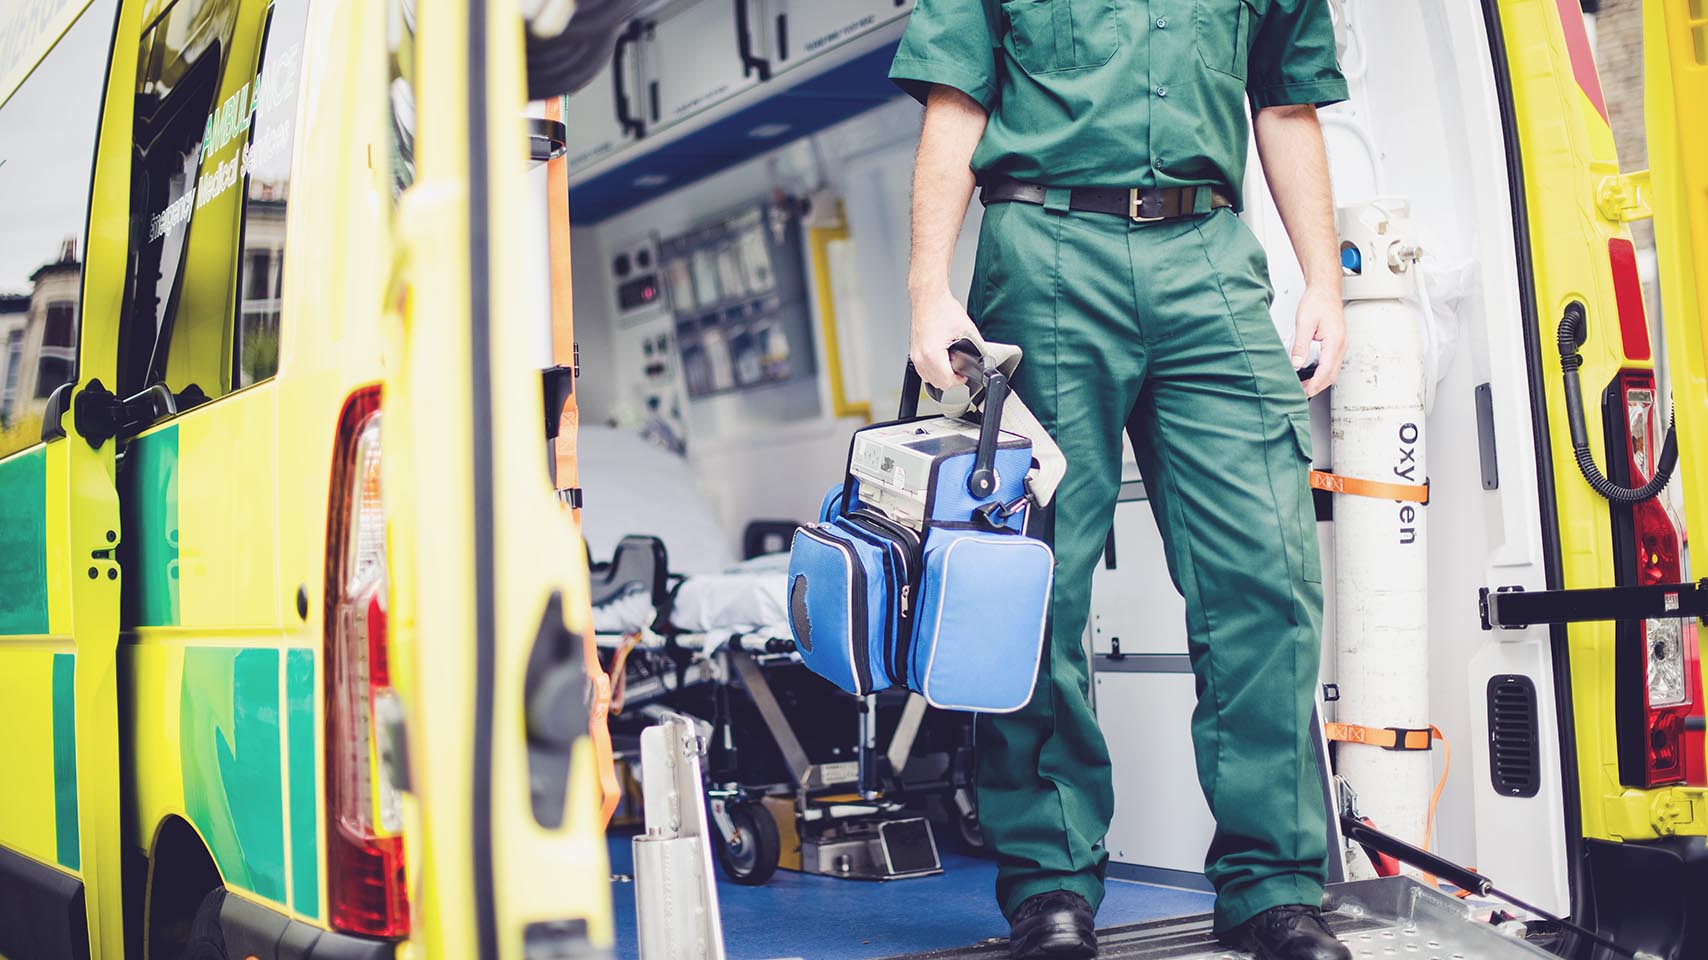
x: 1376, y: 410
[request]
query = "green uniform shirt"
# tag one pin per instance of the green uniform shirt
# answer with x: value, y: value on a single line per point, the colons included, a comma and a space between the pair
x: 1120, y: 93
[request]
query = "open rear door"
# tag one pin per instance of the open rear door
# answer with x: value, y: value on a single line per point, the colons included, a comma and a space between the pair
x: 1676, y: 96
x: 1675, y: 46
x: 489, y: 597
x: 61, y: 273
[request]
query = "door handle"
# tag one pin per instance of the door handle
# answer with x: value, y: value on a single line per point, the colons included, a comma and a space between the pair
x: 744, y: 44
x: 630, y: 123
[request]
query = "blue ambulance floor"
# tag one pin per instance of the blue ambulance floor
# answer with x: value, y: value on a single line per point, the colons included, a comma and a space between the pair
x: 822, y: 918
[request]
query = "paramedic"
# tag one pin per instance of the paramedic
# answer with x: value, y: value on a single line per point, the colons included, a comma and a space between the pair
x: 1108, y: 141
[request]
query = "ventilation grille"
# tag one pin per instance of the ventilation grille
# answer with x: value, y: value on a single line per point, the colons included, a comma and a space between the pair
x: 1514, y: 739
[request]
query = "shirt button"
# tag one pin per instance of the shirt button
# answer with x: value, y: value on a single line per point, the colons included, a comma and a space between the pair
x: 1161, y: 91
x: 1161, y: 23
x: 1156, y: 162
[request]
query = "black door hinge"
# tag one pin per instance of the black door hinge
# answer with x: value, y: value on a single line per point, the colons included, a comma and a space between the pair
x: 100, y: 415
x: 1511, y: 608
x: 557, y: 385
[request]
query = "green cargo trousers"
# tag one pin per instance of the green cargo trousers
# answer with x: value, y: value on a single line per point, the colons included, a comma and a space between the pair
x: 1162, y: 329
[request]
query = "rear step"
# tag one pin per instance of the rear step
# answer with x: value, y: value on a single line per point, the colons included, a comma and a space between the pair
x: 1385, y: 917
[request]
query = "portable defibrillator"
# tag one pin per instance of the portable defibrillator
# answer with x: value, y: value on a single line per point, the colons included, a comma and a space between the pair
x: 919, y: 572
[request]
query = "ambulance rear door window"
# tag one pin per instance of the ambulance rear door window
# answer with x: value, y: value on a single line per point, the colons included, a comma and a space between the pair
x: 217, y: 87
x: 48, y: 126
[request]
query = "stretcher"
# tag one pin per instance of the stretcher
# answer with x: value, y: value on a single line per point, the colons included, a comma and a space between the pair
x: 853, y: 785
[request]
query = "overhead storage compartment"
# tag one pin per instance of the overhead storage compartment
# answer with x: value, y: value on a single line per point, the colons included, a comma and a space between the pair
x: 691, y: 60
x: 793, y: 33
x: 688, y: 93
x: 596, y: 114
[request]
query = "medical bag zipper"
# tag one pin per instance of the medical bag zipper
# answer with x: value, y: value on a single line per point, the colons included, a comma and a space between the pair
x: 908, y: 546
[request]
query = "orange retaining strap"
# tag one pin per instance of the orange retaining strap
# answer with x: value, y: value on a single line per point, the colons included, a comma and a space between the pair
x: 1374, y: 489
x: 1401, y: 738
x: 568, y: 474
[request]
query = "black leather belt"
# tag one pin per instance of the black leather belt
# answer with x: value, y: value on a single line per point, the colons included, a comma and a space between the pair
x: 1143, y: 205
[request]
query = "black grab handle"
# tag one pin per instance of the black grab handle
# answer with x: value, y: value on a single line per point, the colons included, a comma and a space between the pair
x: 744, y: 45
x: 981, y: 482
x: 911, y: 384
x: 627, y: 120
x: 989, y: 388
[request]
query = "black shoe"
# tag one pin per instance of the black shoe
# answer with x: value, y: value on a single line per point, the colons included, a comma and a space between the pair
x: 1290, y: 932
x: 1053, y: 926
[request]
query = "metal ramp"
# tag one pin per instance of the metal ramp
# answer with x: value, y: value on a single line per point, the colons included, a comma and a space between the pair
x: 1390, y: 917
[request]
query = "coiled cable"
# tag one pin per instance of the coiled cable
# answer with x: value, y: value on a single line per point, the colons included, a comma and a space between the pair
x: 1571, y: 336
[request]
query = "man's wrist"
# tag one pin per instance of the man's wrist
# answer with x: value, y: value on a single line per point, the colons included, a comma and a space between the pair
x: 919, y: 289
x: 1328, y: 284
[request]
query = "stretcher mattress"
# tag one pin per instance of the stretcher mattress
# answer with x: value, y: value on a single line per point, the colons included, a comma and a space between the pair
x: 749, y: 598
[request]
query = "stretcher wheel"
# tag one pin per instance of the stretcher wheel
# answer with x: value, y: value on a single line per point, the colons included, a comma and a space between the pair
x: 969, y: 836
x: 750, y: 857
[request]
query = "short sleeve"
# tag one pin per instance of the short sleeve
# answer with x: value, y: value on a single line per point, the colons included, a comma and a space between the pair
x: 949, y: 42
x: 1292, y: 57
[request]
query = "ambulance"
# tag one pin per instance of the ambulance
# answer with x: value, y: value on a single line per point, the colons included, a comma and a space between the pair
x: 294, y: 622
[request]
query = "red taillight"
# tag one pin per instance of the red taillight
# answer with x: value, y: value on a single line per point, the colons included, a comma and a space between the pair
x: 364, y: 845
x: 1670, y: 690
x: 1628, y: 297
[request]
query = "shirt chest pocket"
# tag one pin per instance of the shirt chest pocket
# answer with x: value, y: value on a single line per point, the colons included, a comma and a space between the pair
x: 1050, y: 36
x: 1224, y: 31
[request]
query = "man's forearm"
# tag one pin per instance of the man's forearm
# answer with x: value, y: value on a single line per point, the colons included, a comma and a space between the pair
x: 1290, y: 144
x: 942, y: 185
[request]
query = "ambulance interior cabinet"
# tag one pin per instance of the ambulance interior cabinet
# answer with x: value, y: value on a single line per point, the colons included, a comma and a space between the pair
x: 793, y: 32
x: 1144, y: 693
x: 691, y: 61
x: 591, y: 115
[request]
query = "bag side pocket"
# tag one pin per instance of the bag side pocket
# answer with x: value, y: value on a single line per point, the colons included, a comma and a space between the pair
x: 835, y: 587
x: 981, y: 620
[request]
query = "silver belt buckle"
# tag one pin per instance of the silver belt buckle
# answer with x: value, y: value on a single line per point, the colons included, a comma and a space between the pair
x: 1135, y: 206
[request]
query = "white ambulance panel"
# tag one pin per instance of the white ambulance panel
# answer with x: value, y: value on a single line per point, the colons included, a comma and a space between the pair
x: 591, y: 114
x: 691, y: 61
x: 796, y: 31
x: 1161, y: 820
x: 1134, y: 606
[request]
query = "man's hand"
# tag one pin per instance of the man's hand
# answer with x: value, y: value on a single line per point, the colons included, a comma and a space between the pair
x: 1322, y: 319
x: 938, y: 320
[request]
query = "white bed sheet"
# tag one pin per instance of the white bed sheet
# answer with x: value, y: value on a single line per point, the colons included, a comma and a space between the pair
x: 749, y: 598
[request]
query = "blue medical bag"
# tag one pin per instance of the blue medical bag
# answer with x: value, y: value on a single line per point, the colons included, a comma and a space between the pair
x: 937, y: 588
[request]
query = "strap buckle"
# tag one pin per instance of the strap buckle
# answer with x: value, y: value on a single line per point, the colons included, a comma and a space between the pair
x: 996, y: 514
x: 1403, y: 738
x: 1144, y: 206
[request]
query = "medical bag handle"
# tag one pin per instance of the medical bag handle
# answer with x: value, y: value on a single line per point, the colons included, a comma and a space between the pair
x: 990, y: 396
x: 989, y: 388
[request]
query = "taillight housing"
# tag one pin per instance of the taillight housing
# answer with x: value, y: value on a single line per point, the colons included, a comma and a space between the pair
x: 367, y: 888
x: 1658, y: 682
